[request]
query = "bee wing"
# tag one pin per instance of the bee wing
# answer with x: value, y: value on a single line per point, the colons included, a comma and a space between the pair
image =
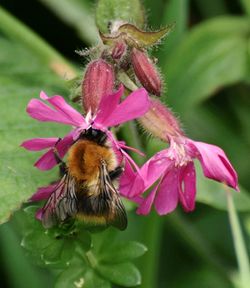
x: 116, y: 213
x: 100, y: 204
x: 62, y: 203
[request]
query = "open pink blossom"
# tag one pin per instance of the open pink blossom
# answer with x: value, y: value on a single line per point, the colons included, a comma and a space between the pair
x: 111, y: 112
x: 172, y: 170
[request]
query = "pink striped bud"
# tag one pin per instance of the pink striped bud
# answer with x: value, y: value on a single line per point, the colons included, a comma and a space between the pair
x: 119, y: 50
x: 146, y: 72
x: 98, y: 81
x: 160, y: 121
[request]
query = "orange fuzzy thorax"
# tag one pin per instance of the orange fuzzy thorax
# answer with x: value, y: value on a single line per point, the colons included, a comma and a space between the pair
x: 85, y: 157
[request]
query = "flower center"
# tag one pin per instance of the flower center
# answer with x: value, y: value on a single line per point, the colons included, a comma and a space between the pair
x: 178, y: 152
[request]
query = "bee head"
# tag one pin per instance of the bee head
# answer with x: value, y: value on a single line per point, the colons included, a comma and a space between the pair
x: 94, y: 135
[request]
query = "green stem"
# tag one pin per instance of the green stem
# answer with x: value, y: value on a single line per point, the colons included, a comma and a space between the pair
x: 91, y: 259
x: 152, y: 229
x: 239, y: 244
x: 124, y: 78
x: 15, y: 29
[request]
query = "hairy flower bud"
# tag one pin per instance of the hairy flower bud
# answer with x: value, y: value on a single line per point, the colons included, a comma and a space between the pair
x: 146, y: 72
x: 118, y: 50
x: 98, y: 82
x: 160, y: 121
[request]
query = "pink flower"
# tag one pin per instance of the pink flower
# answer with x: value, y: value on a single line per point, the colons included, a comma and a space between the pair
x: 109, y: 113
x: 172, y: 170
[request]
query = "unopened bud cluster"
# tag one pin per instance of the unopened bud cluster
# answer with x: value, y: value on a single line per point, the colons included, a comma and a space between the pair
x: 124, y: 51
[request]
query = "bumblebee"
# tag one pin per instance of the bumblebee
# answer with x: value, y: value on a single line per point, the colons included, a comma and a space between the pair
x: 87, y: 189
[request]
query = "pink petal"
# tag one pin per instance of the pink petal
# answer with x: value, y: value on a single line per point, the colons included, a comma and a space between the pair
x: 107, y: 105
x: 166, y: 198
x: 37, y: 144
x: 48, y: 161
x: 215, y: 163
x: 42, y: 112
x: 64, y: 108
x: 134, y: 106
x: 39, y: 214
x: 121, y: 154
x: 153, y: 169
x: 146, y: 205
x: 127, y: 181
x: 187, y: 187
x: 44, y: 193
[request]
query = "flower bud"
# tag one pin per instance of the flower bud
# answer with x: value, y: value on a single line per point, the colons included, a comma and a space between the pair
x: 160, y: 121
x: 118, y: 50
x: 146, y: 72
x: 98, y: 82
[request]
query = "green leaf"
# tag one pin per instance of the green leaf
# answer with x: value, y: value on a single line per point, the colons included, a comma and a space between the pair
x: 143, y: 39
x: 103, y: 240
x: 53, y: 252
x: 72, y: 275
x: 37, y: 241
x: 19, y: 82
x: 124, y: 252
x: 213, y: 193
x: 92, y: 280
x: 68, y: 278
x: 110, y: 10
x: 77, y: 14
x: 124, y: 274
x: 212, y: 55
x: 84, y: 238
x: 175, y: 11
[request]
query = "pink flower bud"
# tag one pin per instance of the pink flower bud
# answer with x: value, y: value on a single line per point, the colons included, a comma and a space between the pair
x: 98, y: 82
x: 160, y: 121
x: 119, y: 50
x: 146, y: 72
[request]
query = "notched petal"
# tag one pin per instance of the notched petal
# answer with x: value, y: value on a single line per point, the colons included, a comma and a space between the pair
x: 215, y: 164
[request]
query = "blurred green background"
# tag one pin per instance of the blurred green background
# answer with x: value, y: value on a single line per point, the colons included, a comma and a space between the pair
x: 205, y: 63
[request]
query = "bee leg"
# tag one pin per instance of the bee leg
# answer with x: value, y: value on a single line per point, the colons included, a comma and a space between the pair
x: 116, y: 173
x: 60, y: 162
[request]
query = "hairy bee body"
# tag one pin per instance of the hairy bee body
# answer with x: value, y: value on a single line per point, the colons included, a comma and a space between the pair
x: 85, y: 157
x: 88, y: 187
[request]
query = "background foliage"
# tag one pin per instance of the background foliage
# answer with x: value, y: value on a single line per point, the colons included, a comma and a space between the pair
x: 205, y: 63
